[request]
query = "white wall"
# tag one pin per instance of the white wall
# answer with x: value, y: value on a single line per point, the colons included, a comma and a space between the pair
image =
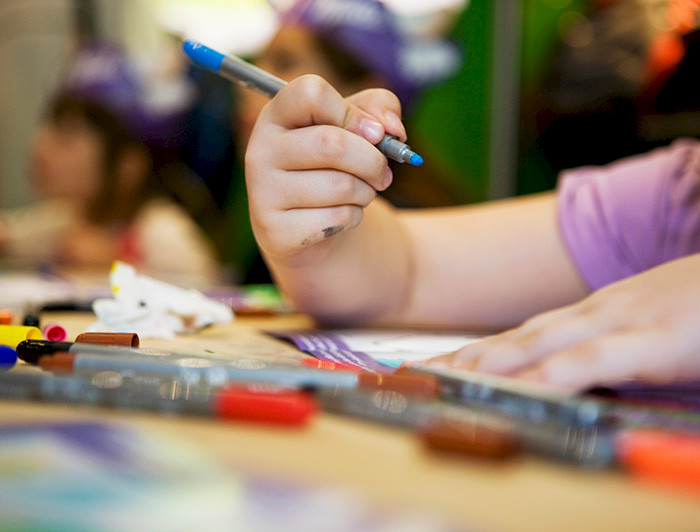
x: 33, y: 45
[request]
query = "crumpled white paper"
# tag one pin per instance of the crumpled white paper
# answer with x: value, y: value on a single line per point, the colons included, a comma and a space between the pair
x: 153, y: 308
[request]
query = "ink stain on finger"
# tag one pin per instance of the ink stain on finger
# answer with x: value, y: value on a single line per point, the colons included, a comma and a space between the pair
x: 333, y: 230
x: 326, y: 233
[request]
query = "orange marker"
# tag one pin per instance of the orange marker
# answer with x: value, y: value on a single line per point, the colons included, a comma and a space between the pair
x: 6, y: 317
x: 670, y: 458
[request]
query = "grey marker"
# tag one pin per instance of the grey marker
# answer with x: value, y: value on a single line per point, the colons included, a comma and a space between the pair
x: 243, y: 73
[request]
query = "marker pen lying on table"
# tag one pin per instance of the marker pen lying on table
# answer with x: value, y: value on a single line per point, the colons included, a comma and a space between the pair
x: 243, y: 73
x: 31, y: 351
x: 446, y: 426
x: 286, y: 407
x: 664, y: 457
x: 88, y: 360
x: 512, y: 398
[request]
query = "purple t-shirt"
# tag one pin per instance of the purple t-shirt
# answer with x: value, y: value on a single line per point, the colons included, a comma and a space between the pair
x: 634, y: 214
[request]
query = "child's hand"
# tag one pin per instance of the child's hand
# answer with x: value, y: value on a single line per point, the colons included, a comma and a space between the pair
x: 311, y: 164
x: 644, y: 328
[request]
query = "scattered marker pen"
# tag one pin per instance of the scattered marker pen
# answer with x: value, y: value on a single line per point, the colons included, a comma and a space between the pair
x: 31, y: 349
x: 671, y: 458
x: 280, y: 407
x: 504, y: 396
x: 468, y: 430
x: 243, y: 73
x: 88, y: 360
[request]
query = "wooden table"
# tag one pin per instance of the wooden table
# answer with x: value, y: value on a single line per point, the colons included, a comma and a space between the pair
x: 390, y: 466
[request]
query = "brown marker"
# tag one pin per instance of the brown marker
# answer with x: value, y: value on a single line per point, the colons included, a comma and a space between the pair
x: 473, y: 439
x: 409, y: 384
x: 61, y: 363
x: 108, y: 338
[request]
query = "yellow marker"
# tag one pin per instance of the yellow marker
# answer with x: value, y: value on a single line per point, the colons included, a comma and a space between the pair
x: 13, y: 334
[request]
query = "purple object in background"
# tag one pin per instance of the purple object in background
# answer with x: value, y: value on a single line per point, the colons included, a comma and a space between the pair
x: 621, y: 219
x: 104, y: 75
x: 372, y: 35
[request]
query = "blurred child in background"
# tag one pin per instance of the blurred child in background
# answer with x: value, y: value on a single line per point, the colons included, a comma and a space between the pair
x: 102, y: 165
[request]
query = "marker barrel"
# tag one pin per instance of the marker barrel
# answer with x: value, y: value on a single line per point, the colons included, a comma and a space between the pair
x: 87, y: 360
x: 589, y: 446
x: 537, y: 408
x: 248, y: 75
x: 123, y: 392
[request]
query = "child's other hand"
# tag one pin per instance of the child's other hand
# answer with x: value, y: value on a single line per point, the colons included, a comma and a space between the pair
x: 643, y: 328
x: 311, y: 165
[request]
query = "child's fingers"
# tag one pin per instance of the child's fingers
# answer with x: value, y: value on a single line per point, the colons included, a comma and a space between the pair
x: 310, y: 100
x: 318, y: 189
x: 384, y: 106
x: 321, y: 147
x: 619, y: 356
x: 538, y: 338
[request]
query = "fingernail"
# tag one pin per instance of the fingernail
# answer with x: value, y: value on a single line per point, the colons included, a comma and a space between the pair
x: 396, y: 125
x: 371, y: 130
x: 388, y: 178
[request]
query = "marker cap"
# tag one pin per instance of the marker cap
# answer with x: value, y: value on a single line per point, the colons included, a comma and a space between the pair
x: 54, y: 332
x: 31, y: 350
x: 109, y: 338
x: 203, y: 55
x: 6, y: 317
x: 670, y: 458
x: 31, y: 319
x: 13, y: 334
x: 8, y: 357
x: 284, y: 407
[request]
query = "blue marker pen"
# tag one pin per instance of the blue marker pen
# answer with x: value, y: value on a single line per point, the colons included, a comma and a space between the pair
x: 243, y: 73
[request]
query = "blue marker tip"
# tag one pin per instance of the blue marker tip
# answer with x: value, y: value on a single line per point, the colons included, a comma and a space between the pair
x: 416, y: 160
x: 202, y: 55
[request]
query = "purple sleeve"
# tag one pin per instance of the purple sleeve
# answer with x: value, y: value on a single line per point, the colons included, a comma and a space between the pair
x: 634, y: 214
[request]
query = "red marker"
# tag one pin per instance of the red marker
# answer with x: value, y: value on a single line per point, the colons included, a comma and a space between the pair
x: 263, y: 405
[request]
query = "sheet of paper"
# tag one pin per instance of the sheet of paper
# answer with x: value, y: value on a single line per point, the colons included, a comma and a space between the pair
x: 375, y: 349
